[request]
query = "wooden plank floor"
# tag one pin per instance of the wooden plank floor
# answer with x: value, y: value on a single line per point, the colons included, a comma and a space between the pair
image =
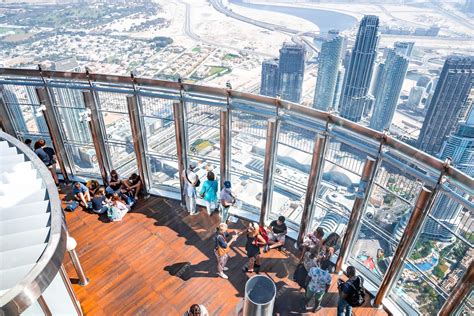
x: 159, y: 260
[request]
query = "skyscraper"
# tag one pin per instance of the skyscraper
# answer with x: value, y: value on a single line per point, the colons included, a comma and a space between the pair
x: 14, y: 107
x: 39, y: 120
x: 415, y: 96
x: 329, y: 61
x: 460, y: 147
x: 388, y: 93
x: 404, y: 48
x: 269, y: 80
x: 291, y: 68
x: 359, y: 73
x: 448, y: 105
x: 339, y: 81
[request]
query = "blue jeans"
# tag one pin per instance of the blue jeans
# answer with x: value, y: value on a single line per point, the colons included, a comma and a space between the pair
x: 341, y: 305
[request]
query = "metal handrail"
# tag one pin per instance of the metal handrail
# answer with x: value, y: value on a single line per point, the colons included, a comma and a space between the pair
x: 390, y: 142
x: 26, y: 292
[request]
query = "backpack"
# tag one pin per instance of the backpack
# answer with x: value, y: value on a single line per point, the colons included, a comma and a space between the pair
x: 356, y: 296
x: 71, y: 206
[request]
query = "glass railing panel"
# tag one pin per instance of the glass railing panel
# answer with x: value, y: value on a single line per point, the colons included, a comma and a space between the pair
x: 203, y: 132
x: 248, y: 156
x: 24, y: 106
x: 293, y: 163
x: 387, y: 212
x: 467, y: 308
x: 160, y: 142
x: 119, y: 140
x: 84, y: 160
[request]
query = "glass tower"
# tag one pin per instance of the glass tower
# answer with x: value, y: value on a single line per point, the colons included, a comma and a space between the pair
x: 460, y: 147
x: 448, y: 105
x: 269, y: 80
x: 359, y: 73
x: 291, y: 66
x: 329, y: 60
x: 387, y: 95
x: 15, y: 109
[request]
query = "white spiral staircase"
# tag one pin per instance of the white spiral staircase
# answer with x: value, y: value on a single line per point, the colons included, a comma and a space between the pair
x: 32, y: 229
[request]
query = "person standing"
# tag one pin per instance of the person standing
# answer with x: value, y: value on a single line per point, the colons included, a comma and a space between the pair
x: 191, y: 181
x: 227, y: 200
x: 221, y: 249
x: 254, y: 242
x: 318, y: 285
x: 28, y: 143
x: 209, y: 192
x: 351, y: 292
x: 48, y: 157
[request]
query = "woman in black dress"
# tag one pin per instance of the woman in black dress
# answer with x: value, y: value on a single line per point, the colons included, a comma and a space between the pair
x: 254, y: 242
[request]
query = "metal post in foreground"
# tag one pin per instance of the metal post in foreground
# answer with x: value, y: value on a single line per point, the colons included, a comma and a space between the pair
x: 70, y: 290
x: 225, y: 144
x: 260, y: 293
x: 414, y: 225
x: 357, y: 212
x: 314, y: 180
x: 44, y: 306
x: 97, y: 135
x: 138, y: 136
x: 53, y: 128
x: 180, y: 129
x: 459, y: 293
x: 273, y: 129
x: 71, y: 249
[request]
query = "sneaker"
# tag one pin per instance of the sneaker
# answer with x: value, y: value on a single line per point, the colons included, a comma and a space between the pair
x: 222, y: 275
x: 226, y: 269
x: 192, y: 214
x: 266, y: 248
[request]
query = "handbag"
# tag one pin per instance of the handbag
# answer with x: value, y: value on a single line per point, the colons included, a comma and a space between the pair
x: 221, y: 251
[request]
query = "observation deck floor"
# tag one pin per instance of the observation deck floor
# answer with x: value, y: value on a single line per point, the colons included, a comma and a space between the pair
x: 159, y: 261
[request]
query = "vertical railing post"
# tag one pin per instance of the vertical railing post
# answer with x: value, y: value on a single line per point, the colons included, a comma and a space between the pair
x: 138, y: 135
x: 53, y: 127
x: 44, y: 306
x: 70, y: 290
x: 5, y: 117
x: 459, y: 293
x: 414, y: 225
x: 97, y: 135
x: 314, y: 183
x: 225, y: 145
x: 357, y: 212
x: 180, y: 131
x: 71, y: 249
x: 271, y: 146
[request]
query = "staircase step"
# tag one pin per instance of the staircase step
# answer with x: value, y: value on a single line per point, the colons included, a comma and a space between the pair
x: 20, y: 186
x: 13, y: 158
x: 24, y: 210
x: 11, y: 167
x: 24, y: 239
x: 20, y: 257
x: 8, y: 151
x: 24, y: 224
x: 11, y: 277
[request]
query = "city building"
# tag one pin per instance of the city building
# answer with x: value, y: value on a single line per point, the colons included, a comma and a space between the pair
x: 404, y: 48
x: 391, y: 82
x: 291, y: 68
x: 328, y: 71
x: 15, y: 107
x: 270, y: 77
x: 415, y: 96
x: 339, y: 81
x: 358, y: 75
x: 449, y: 103
x: 460, y: 148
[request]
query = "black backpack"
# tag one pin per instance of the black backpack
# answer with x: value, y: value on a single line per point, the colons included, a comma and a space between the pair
x: 356, y: 295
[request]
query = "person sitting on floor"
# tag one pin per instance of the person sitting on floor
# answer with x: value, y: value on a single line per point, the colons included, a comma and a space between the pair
x: 134, y: 185
x: 276, y: 233
x: 311, y: 240
x: 115, y: 184
x: 100, y: 201
x: 92, y: 185
x: 81, y: 194
x: 117, y: 209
